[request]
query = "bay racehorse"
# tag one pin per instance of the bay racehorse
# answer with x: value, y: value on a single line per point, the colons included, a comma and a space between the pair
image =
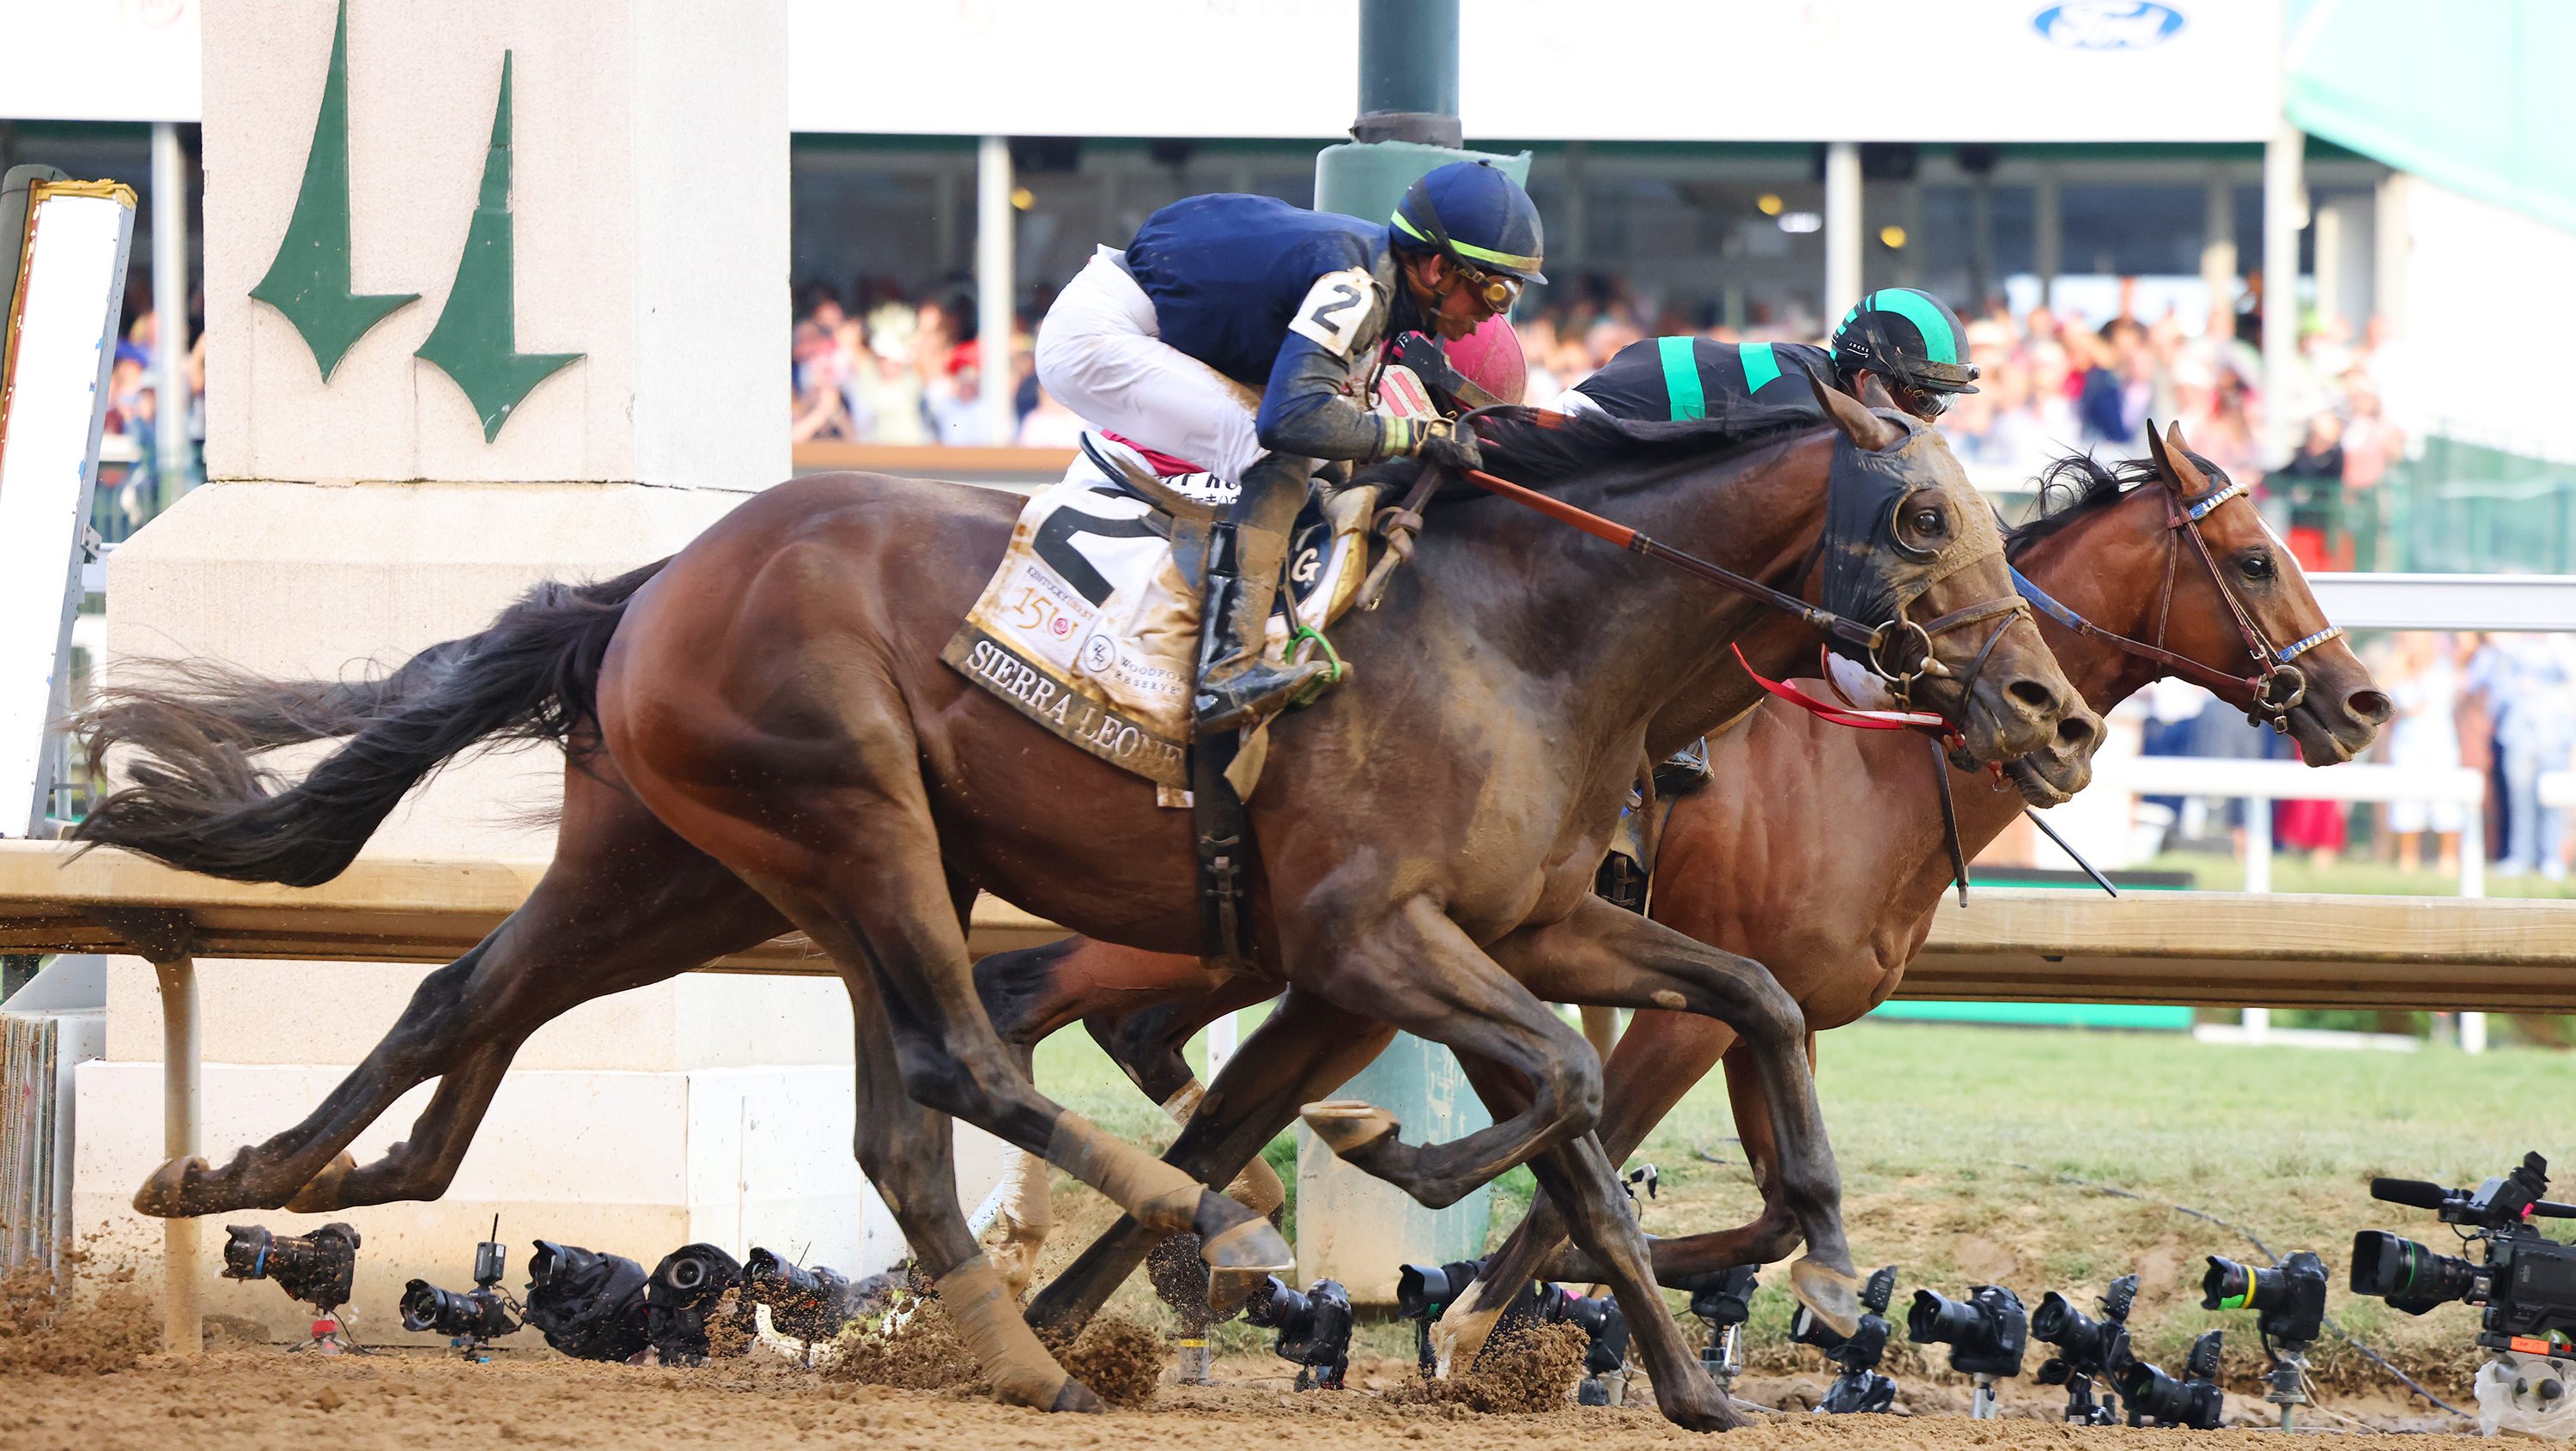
x: 762, y: 735
x: 1812, y: 850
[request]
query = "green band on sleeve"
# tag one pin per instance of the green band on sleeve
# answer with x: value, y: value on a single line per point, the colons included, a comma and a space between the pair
x: 1681, y: 378
x: 1760, y: 366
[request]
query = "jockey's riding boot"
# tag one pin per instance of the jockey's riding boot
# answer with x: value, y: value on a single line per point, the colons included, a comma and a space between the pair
x: 1236, y: 685
x: 1684, y: 771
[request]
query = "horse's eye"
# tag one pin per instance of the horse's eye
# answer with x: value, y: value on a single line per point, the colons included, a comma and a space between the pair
x: 1928, y: 521
x: 2256, y: 566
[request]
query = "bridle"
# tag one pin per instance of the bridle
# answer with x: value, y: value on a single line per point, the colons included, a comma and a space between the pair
x: 2274, y: 688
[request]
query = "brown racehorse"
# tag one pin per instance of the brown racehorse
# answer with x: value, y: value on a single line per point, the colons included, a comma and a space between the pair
x: 1769, y: 860
x: 770, y: 738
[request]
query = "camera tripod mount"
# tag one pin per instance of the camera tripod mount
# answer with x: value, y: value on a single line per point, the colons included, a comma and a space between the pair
x: 1981, y: 1400
x: 2286, y: 1383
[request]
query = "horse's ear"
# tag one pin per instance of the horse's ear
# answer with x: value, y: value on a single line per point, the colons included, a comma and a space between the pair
x: 1875, y: 394
x: 1853, y: 417
x: 2173, y: 456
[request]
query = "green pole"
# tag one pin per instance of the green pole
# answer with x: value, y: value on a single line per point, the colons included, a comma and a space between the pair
x: 1351, y: 1227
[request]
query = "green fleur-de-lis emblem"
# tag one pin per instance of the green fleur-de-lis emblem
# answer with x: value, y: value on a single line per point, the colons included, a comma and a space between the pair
x: 309, y: 279
x: 476, y: 341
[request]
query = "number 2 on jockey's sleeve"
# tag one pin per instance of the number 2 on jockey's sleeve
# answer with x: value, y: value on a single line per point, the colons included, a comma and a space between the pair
x: 1335, y: 309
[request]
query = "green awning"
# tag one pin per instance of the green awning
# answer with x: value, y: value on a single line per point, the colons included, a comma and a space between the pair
x: 2471, y: 95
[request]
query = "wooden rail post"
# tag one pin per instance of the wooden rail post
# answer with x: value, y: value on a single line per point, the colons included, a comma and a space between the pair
x: 182, y: 1326
x: 167, y: 939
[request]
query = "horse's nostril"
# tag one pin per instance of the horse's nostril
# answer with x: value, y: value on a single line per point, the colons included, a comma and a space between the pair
x: 2032, y: 696
x: 2369, y: 707
x: 2075, y: 732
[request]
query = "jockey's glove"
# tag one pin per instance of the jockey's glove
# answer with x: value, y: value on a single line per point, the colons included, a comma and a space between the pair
x: 1442, y: 441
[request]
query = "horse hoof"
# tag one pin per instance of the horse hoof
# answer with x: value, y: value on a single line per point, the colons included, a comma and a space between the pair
x: 321, y: 1193
x: 1708, y: 1414
x: 166, y: 1194
x: 1231, y: 1287
x: 1834, y: 1295
x: 1348, y: 1125
x: 1077, y: 1397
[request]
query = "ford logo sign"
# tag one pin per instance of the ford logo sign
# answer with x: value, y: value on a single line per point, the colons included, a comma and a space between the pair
x: 2108, y: 24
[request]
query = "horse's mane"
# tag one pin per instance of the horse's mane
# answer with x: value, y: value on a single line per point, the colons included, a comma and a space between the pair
x: 2078, y: 484
x: 1589, y: 443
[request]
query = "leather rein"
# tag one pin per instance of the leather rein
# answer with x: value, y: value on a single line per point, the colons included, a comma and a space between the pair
x: 2276, y: 686
x: 1872, y: 643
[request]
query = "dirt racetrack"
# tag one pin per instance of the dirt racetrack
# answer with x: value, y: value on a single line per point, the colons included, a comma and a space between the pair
x: 257, y: 1399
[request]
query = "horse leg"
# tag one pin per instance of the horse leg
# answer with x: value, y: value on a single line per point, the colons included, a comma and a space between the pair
x: 624, y: 903
x: 1030, y: 993
x: 1601, y: 954
x: 1579, y: 1175
x: 905, y: 1149
x: 1658, y: 1059
x: 1414, y: 969
x: 1683, y: 1258
x: 1308, y: 1047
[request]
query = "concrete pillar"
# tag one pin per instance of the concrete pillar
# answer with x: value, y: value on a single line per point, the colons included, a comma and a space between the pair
x: 2047, y: 235
x: 1981, y: 242
x: 1568, y: 231
x: 2218, y: 243
x: 2284, y: 215
x: 2393, y: 238
x: 994, y: 288
x: 170, y: 308
x: 1842, y: 229
x: 628, y: 223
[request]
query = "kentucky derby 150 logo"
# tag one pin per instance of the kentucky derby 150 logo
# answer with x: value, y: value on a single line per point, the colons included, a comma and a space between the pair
x: 2108, y: 24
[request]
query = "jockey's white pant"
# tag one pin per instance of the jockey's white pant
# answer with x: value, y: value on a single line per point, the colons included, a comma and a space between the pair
x: 1101, y: 353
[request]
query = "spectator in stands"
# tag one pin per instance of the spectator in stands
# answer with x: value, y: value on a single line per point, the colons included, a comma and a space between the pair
x: 2425, y: 685
x: 2531, y: 685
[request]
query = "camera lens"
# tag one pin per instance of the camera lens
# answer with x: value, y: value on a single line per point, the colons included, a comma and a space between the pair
x: 427, y: 1307
x: 1937, y: 1318
x: 1274, y: 1304
x: 2231, y: 1286
x: 1424, y: 1290
x: 2406, y: 1274
x: 245, y: 1252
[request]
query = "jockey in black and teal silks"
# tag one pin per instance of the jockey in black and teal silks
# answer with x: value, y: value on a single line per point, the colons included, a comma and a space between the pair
x: 1911, y: 341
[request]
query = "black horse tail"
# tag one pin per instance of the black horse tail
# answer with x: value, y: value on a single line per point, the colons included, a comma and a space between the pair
x: 198, y: 798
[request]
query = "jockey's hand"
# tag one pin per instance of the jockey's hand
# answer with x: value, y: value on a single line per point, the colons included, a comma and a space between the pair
x: 1450, y: 444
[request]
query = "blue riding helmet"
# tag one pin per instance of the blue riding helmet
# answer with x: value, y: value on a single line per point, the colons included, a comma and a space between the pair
x: 1911, y: 337
x: 1477, y: 215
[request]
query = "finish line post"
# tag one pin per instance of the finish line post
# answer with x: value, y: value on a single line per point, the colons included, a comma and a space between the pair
x: 1351, y: 1226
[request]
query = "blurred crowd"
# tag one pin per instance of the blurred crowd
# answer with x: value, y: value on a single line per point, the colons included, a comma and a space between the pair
x: 131, y: 489
x: 894, y: 370
x: 2501, y: 705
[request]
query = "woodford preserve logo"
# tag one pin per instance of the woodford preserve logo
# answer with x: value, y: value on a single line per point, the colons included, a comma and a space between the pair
x: 476, y: 341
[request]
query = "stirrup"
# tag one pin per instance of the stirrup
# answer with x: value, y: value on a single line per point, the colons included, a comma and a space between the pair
x: 1304, y: 644
x: 1238, y: 701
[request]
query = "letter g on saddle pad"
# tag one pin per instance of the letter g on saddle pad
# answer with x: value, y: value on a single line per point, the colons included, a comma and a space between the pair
x: 1091, y: 626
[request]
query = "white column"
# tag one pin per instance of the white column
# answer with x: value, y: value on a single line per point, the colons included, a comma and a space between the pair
x: 181, y: 1046
x: 994, y: 287
x: 170, y: 307
x: 2047, y: 235
x: 2473, y: 883
x: 2284, y: 215
x: 1222, y: 1039
x: 1842, y: 229
x: 2258, y: 878
x: 2394, y: 241
x: 2218, y: 244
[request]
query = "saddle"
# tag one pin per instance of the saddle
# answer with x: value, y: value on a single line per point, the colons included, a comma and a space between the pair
x: 1091, y: 626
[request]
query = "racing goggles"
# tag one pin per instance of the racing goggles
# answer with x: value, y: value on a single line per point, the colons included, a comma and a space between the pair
x: 1924, y: 403
x: 1497, y: 290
